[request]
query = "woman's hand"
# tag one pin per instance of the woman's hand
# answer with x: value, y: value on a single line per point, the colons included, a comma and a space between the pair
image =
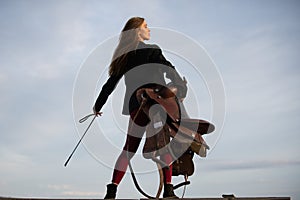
x: 97, y: 113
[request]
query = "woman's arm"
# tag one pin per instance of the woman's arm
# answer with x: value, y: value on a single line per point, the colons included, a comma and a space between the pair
x: 171, y: 72
x: 106, y: 90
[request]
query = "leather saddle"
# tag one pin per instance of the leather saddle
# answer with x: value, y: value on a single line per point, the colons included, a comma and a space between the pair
x: 169, y: 132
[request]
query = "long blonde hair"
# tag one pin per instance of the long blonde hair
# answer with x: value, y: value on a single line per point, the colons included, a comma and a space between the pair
x: 128, y: 41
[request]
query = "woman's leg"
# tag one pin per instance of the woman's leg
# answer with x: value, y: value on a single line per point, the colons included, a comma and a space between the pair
x: 167, y: 158
x: 128, y: 152
x: 168, y: 187
x: 135, y: 133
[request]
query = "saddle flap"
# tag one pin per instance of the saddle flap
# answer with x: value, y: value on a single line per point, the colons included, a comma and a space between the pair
x: 200, y: 126
x: 195, y: 140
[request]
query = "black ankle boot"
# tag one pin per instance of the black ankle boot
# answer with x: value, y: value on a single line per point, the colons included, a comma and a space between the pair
x: 169, y: 192
x: 111, y: 191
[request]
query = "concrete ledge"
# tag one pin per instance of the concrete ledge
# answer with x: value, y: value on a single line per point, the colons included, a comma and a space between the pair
x: 202, y: 198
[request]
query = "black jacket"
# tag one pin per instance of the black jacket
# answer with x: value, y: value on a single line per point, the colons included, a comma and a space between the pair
x: 145, y: 66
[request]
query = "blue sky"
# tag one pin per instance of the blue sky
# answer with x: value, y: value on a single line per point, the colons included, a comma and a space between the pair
x: 254, y: 44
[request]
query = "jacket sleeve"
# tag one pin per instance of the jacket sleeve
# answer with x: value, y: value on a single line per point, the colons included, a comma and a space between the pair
x: 171, y: 72
x: 106, y: 90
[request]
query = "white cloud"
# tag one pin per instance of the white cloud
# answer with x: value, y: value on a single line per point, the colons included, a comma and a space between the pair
x: 59, y: 187
x: 2, y: 78
x: 249, y: 164
x: 81, y: 193
x: 13, y: 161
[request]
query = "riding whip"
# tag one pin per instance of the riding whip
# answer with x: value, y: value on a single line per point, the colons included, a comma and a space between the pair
x: 81, y: 121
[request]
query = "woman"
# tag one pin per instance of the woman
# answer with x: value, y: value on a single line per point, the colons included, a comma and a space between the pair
x: 142, y: 66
